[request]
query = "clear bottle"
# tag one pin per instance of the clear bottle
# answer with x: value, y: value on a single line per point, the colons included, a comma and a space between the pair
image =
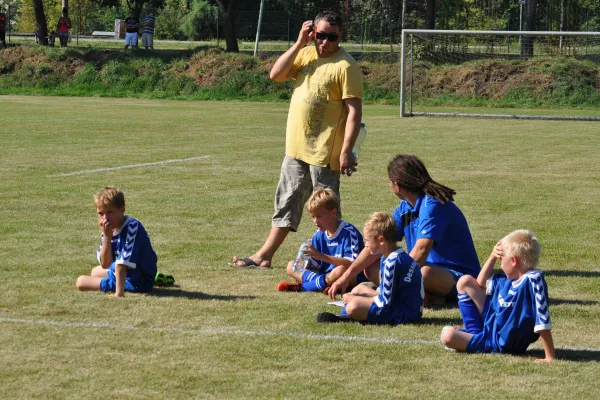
x: 362, y: 135
x: 301, y: 260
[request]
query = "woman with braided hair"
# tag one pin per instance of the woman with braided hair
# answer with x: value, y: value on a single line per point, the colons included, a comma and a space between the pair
x: 434, y: 229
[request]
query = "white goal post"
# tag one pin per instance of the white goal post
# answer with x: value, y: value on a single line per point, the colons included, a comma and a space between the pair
x: 437, y: 36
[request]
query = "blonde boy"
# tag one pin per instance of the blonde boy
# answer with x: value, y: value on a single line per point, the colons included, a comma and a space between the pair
x: 399, y: 298
x: 127, y: 260
x: 506, y: 312
x: 333, y: 247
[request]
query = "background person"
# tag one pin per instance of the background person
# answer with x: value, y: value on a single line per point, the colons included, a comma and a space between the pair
x: 131, y: 30
x: 62, y: 28
x: 434, y: 229
x: 148, y: 30
x: 323, y: 123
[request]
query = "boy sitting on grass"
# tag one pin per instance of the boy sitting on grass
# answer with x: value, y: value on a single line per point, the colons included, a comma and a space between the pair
x: 333, y: 248
x: 506, y: 312
x: 399, y: 298
x: 127, y: 260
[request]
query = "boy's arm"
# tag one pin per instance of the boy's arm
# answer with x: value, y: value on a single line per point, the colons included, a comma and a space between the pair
x: 488, y: 268
x: 335, y: 261
x: 548, y: 343
x: 364, y: 259
x: 120, y: 274
x: 105, y: 252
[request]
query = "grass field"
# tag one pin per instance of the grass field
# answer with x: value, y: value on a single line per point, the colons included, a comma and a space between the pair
x: 227, y: 333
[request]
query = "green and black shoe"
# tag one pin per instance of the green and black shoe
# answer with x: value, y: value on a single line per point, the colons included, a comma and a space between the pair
x: 164, y: 279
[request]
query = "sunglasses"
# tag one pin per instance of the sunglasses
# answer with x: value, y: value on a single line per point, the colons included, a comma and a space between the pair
x: 331, y: 36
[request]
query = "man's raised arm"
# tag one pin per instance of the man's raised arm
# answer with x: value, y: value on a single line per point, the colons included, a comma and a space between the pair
x: 282, y: 69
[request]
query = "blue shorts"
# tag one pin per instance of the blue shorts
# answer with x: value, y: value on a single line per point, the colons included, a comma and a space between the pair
x: 480, y: 343
x: 109, y: 283
x: 388, y: 316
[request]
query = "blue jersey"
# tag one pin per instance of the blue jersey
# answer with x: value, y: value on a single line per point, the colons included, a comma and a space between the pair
x: 401, y: 291
x: 131, y: 247
x: 515, y: 311
x: 446, y: 225
x: 346, y: 242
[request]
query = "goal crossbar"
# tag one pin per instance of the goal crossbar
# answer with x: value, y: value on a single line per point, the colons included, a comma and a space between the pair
x: 406, y: 32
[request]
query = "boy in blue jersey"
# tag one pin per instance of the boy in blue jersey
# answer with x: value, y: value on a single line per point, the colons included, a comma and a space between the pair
x: 399, y: 298
x: 333, y: 247
x: 506, y: 312
x: 127, y: 260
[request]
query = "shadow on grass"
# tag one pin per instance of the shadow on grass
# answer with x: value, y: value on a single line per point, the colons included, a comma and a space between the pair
x: 554, y: 302
x: 575, y: 354
x: 176, y: 292
x: 570, y: 274
x: 439, y: 321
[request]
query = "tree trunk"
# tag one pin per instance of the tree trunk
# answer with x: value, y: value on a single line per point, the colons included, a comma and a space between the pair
x: 430, y: 14
x: 529, y: 25
x: 228, y: 11
x: 40, y: 18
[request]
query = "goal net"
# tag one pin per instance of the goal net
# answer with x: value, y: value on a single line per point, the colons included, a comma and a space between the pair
x: 501, y: 72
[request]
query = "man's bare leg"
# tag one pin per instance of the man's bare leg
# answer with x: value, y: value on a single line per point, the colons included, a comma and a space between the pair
x: 263, y: 257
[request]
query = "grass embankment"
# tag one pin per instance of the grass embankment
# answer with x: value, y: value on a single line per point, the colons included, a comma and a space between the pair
x: 215, y: 75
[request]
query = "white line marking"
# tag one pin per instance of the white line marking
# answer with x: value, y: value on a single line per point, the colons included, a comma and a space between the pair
x: 220, y: 331
x: 91, y: 171
x: 295, y: 335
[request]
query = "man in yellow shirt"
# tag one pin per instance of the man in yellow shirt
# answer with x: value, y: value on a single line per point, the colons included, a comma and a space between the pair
x: 323, y: 123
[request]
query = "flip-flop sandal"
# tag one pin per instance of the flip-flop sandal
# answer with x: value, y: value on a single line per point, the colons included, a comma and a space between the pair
x: 249, y: 264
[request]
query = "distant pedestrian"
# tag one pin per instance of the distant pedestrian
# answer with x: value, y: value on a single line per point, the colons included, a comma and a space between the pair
x: 148, y: 30
x: 2, y: 29
x: 131, y: 29
x: 62, y: 28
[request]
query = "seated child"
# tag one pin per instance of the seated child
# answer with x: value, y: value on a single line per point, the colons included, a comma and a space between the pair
x: 127, y: 260
x: 399, y: 298
x: 506, y: 312
x: 333, y: 248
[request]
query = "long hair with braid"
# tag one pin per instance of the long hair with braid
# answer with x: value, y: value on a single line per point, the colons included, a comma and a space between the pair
x: 409, y: 173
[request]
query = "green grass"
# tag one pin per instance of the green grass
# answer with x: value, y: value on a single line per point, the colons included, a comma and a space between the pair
x: 205, y: 339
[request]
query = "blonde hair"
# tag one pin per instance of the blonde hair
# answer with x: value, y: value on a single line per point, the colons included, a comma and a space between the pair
x: 109, y: 196
x: 323, y: 198
x: 524, y: 245
x: 380, y: 224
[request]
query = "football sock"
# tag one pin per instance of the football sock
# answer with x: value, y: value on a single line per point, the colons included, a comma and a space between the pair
x: 312, y: 282
x: 470, y: 314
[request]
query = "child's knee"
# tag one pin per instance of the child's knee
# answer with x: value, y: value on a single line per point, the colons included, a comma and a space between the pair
x: 464, y: 282
x: 447, y: 334
x: 351, y: 308
x: 79, y: 282
x: 289, y: 268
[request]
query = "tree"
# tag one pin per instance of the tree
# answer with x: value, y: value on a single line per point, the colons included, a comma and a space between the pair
x: 430, y: 14
x: 40, y: 18
x: 529, y: 25
x: 228, y: 12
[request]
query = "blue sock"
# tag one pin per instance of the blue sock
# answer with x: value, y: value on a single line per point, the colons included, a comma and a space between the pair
x: 313, y: 282
x: 343, y: 313
x: 470, y: 314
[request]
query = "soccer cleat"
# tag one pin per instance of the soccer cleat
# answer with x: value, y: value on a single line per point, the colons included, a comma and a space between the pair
x: 327, y: 317
x: 289, y: 287
x: 164, y: 280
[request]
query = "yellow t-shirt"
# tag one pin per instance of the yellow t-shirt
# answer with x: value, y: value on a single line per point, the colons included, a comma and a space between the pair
x: 317, y: 117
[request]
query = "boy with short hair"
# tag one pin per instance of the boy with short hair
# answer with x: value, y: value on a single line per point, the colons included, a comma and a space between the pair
x: 333, y: 247
x: 399, y: 298
x: 127, y: 260
x: 507, y: 312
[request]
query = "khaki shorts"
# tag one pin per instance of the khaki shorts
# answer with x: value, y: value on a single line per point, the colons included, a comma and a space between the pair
x: 296, y: 183
x: 147, y: 40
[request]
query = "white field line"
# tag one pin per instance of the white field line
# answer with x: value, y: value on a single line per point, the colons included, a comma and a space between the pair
x: 91, y: 171
x: 213, y: 332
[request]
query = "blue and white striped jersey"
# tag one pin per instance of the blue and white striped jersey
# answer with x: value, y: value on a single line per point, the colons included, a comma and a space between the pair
x: 131, y: 247
x: 516, y: 311
x: 401, y: 286
x: 346, y: 242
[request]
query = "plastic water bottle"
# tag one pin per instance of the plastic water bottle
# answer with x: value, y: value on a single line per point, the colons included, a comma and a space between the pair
x: 301, y: 260
x: 362, y: 135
